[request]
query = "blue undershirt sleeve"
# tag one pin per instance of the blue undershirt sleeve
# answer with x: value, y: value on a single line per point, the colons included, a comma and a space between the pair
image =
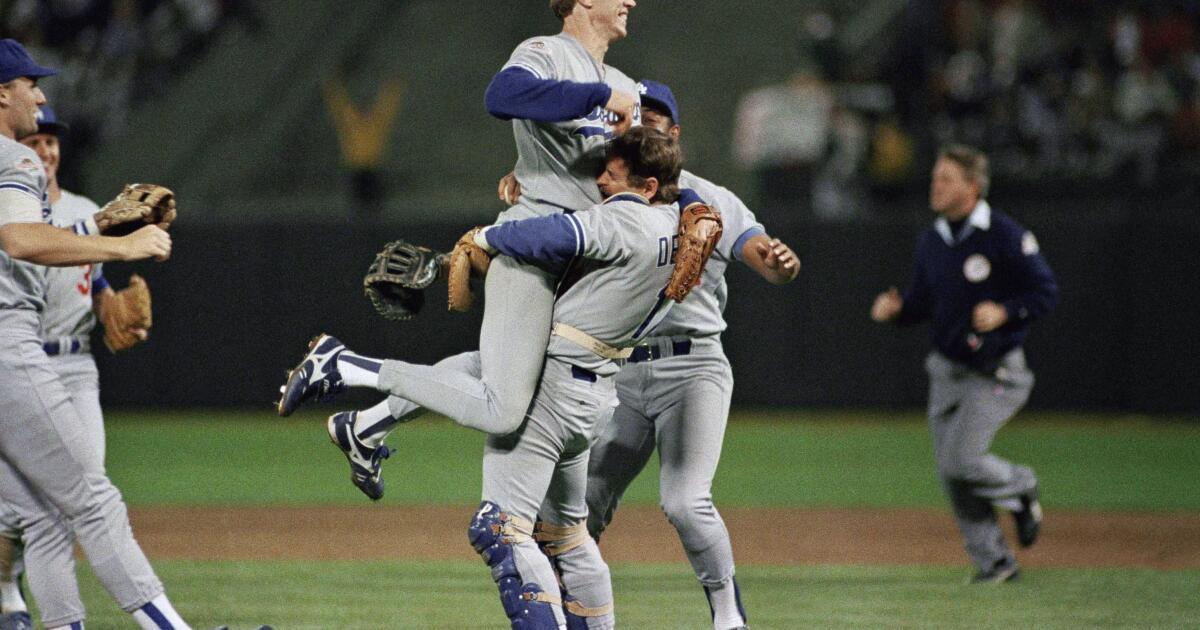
x: 554, y: 239
x: 518, y: 93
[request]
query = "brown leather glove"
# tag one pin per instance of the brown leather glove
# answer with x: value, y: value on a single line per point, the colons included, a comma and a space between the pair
x: 467, y: 261
x: 124, y: 313
x: 699, y: 230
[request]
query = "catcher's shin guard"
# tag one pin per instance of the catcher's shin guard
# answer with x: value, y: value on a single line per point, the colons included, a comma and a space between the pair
x: 492, y: 534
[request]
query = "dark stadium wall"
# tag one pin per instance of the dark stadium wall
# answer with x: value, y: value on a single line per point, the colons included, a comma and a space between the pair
x: 236, y: 304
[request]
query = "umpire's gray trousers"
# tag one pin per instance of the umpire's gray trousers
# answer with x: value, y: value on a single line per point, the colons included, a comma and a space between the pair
x: 966, y: 409
x: 48, y: 474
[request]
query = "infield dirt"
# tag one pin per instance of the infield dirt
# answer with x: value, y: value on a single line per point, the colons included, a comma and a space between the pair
x: 642, y: 534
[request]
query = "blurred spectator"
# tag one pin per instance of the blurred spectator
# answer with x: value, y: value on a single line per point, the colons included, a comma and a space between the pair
x: 782, y: 133
x: 107, y: 48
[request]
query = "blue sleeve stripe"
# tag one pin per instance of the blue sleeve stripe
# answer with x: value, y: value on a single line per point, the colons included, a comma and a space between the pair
x: 21, y: 187
x: 99, y: 282
x: 525, y: 67
x: 741, y: 240
x: 580, y: 234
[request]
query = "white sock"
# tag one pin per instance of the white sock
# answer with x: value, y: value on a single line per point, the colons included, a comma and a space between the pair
x: 1012, y: 505
x: 359, y: 371
x: 367, y: 421
x: 723, y: 600
x: 159, y: 614
x: 10, y: 597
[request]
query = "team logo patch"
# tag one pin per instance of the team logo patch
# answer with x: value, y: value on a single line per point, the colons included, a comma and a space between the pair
x: 642, y: 89
x: 537, y: 45
x: 27, y: 164
x: 977, y: 268
x: 1029, y: 244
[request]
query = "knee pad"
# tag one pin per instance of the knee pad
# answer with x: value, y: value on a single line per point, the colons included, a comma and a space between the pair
x: 556, y: 540
x: 492, y: 533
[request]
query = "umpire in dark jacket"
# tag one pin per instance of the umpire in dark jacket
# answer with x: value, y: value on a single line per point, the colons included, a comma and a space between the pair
x: 980, y: 279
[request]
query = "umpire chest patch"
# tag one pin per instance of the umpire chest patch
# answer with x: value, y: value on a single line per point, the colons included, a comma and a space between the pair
x: 977, y: 268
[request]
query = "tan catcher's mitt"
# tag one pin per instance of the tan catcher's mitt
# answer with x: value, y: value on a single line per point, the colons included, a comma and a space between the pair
x: 124, y: 312
x: 699, y: 230
x: 467, y: 261
x: 137, y: 206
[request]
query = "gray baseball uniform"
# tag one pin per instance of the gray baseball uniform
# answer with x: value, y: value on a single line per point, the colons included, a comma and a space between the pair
x: 48, y: 461
x: 557, y: 165
x: 675, y: 393
x: 66, y: 322
x: 614, y: 296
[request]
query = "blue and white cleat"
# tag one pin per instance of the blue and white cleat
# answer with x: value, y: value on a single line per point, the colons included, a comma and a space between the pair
x: 317, y: 375
x: 366, y: 463
x: 16, y: 621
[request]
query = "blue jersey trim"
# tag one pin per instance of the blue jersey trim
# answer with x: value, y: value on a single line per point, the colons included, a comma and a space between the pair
x: 21, y: 187
x: 741, y: 240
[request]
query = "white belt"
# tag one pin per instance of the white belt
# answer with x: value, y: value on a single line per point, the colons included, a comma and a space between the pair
x: 589, y: 343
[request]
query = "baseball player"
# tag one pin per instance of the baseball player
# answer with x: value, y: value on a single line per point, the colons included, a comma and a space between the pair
x: 610, y: 297
x: 675, y: 388
x: 46, y: 472
x: 73, y: 296
x: 981, y: 280
x: 565, y: 104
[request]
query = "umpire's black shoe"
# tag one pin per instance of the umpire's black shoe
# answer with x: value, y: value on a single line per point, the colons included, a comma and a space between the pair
x: 1005, y: 570
x: 1029, y: 518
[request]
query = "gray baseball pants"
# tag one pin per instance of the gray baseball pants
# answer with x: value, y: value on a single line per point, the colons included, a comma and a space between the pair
x: 681, y: 406
x: 51, y: 575
x: 52, y: 476
x: 540, y: 473
x: 966, y: 409
x: 494, y: 397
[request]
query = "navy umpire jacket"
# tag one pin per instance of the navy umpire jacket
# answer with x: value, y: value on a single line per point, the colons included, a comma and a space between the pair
x: 991, y: 258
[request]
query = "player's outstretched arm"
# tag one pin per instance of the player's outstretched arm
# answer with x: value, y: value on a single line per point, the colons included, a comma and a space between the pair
x: 771, y: 258
x: 44, y: 244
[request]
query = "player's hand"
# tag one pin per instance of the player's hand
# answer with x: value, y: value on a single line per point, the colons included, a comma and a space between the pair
x: 509, y: 189
x: 887, y: 305
x: 779, y: 257
x: 623, y: 105
x: 989, y: 316
x: 147, y: 242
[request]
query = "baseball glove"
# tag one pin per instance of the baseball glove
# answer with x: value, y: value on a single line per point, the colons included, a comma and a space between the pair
x: 137, y: 206
x: 467, y: 261
x: 699, y: 230
x: 396, y: 279
x: 124, y: 312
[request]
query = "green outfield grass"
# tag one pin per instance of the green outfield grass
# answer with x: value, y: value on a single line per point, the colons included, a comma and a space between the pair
x: 804, y: 458
x: 343, y: 595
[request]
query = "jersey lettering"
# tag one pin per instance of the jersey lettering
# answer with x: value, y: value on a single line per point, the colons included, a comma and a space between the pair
x: 85, y: 287
x: 667, y: 247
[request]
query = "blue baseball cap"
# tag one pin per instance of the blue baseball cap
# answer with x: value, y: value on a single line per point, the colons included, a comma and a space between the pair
x: 15, y: 62
x: 49, y: 123
x: 659, y: 94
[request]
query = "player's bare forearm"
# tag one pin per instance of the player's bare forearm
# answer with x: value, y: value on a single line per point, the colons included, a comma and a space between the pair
x: 44, y: 244
x: 773, y: 260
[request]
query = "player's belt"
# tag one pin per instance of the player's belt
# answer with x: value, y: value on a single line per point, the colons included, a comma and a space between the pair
x: 589, y: 343
x: 651, y: 352
x: 67, y: 345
